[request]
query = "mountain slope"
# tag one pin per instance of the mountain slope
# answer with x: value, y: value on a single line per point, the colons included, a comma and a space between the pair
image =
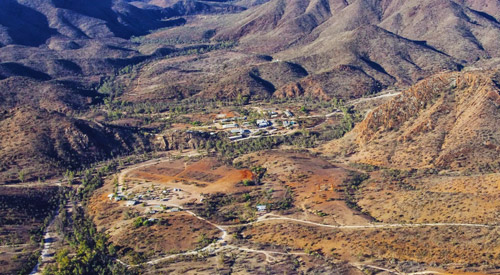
x: 278, y: 23
x: 389, y: 58
x: 39, y: 137
x: 22, y: 25
x: 346, y: 82
x: 93, y: 19
x: 44, y: 144
x: 447, y: 121
x: 396, y: 42
x: 438, y: 22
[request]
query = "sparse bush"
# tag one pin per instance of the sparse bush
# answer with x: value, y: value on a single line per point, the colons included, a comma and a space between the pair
x: 247, y: 182
x: 21, y: 175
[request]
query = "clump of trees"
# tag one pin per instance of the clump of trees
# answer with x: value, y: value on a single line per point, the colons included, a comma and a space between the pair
x: 247, y: 182
x: 285, y: 202
x: 89, y: 253
x: 227, y: 150
x: 90, y: 182
x: 141, y: 221
x: 351, y: 186
x: 89, y: 250
x: 204, y: 240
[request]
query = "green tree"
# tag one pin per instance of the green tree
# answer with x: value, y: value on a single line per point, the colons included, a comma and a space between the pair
x: 21, y: 175
x: 304, y: 110
x: 70, y: 176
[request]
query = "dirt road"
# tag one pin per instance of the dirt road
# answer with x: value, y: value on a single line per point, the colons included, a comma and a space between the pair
x: 221, y: 243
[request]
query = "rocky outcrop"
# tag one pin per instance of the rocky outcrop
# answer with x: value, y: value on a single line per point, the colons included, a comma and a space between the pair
x: 448, y: 121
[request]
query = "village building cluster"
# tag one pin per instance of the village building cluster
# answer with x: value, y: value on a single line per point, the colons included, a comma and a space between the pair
x: 239, y: 128
x: 153, y: 194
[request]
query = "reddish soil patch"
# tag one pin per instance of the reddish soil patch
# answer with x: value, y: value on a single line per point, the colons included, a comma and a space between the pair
x: 316, y: 183
x: 209, y: 173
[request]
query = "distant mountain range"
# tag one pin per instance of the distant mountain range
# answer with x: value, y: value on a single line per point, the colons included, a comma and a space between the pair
x: 383, y: 43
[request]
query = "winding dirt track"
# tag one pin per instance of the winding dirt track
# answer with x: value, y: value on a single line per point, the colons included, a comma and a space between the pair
x: 221, y: 245
x: 49, y: 238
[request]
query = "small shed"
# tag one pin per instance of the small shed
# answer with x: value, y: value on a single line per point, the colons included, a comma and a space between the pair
x: 130, y: 203
x: 261, y: 208
x: 262, y: 123
x: 228, y: 126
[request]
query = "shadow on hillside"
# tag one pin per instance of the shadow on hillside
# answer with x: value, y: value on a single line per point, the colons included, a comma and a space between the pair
x: 122, y: 19
x: 25, y: 26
